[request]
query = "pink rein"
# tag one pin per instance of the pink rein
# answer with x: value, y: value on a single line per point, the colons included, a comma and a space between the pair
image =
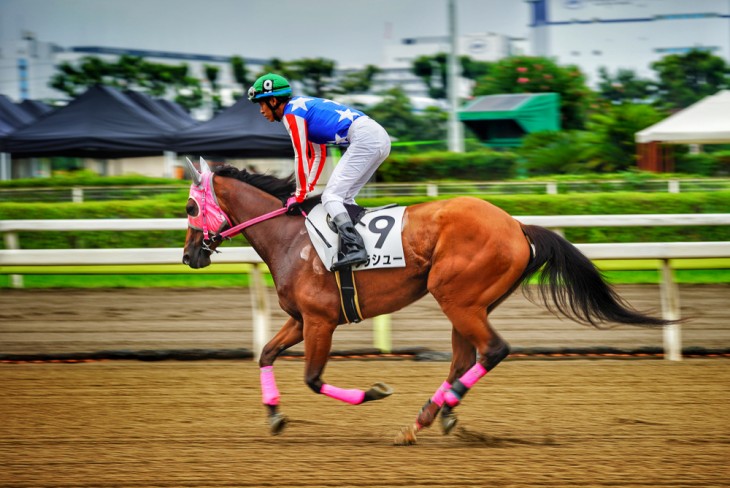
x: 211, y: 215
x: 234, y: 231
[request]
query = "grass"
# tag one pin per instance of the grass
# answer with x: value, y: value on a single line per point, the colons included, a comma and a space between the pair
x: 227, y: 276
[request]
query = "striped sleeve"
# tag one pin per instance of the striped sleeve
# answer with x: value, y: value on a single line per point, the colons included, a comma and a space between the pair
x: 297, y: 128
x: 319, y: 157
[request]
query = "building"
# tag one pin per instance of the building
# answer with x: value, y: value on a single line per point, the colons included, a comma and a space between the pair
x: 398, y: 58
x: 627, y: 34
x: 26, y: 67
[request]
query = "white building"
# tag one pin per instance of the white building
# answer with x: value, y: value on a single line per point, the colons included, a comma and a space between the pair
x: 398, y: 57
x: 628, y: 34
x: 26, y: 67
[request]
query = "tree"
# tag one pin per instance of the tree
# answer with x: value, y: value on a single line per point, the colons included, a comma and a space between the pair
x: 434, y: 72
x: 395, y: 113
x: 239, y: 71
x: 315, y: 74
x: 358, y: 81
x: 527, y: 74
x: 625, y: 86
x: 687, y: 78
x: 611, y: 145
x: 240, y: 75
x: 129, y: 73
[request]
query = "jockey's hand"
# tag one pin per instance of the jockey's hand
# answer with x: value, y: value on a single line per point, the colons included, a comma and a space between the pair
x: 292, y: 206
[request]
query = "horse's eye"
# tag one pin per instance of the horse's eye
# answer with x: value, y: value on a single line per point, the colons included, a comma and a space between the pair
x: 192, y: 208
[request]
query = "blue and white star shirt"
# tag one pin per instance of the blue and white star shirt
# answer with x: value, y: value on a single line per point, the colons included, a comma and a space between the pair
x: 313, y: 123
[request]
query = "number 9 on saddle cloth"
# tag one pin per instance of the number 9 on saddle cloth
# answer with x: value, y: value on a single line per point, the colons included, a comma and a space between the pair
x: 380, y: 229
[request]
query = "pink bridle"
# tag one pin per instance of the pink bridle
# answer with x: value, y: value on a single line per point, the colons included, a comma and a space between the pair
x: 211, y: 218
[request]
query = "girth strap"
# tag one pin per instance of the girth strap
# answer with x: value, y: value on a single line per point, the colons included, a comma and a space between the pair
x: 348, y: 295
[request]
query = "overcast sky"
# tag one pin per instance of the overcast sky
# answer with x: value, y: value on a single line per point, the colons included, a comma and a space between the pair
x: 351, y: 32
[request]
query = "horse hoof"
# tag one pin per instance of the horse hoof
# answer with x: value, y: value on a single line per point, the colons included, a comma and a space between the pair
x: 406, y: 436
x: 277, y: 423
x: 377, y: 392
x: 448, y: 422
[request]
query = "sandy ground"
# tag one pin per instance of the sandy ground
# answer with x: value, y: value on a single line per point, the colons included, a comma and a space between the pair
x: 58, y: 321
x: 558, y: 423
x: 529, y: 423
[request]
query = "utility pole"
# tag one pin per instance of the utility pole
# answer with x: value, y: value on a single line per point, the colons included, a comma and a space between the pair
x: 456, y: 132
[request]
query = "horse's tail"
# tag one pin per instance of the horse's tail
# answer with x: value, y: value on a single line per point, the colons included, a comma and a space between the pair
x: 569, y: 283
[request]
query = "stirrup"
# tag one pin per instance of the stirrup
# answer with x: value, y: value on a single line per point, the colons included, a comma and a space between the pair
x: 349, y: 260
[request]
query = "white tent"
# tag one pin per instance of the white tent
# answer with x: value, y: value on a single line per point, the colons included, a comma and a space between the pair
x: 705, y: 122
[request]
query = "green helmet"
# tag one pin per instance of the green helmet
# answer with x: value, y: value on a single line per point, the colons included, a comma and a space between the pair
x: 268, y: 86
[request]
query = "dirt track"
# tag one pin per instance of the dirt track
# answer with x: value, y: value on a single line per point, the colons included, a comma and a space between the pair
x: 57, y: 321
x: 529, y: 423
x: 637, y: 423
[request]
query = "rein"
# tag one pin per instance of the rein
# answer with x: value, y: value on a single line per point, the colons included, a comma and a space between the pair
x: 234, y: 231
x: 207, y: 187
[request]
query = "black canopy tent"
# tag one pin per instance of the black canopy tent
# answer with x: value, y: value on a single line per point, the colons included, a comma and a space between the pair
x: 35, y: 107
x: 14, y: 115
x: 168, y: 112
x: 239, y: 131
x: 101, y: 123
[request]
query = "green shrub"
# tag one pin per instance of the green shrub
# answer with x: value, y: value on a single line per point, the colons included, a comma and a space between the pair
x: 570, y: 204
x: 475, y: 166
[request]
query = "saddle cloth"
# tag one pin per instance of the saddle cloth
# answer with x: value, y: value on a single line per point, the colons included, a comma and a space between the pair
x: 380, y: 230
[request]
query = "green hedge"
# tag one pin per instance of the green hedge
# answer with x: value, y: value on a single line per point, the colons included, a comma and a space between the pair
x: 570, y: 204
x: 444, y: 165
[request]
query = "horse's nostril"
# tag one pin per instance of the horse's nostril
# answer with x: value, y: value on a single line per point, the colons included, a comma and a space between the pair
x: 186, y: 259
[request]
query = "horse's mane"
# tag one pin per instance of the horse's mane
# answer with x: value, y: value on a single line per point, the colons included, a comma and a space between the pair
x: 282, y: 188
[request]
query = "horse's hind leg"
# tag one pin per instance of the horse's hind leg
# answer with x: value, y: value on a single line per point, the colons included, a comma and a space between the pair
x: 464, y: 357
x: 492, y: 350
x: 289, y: 335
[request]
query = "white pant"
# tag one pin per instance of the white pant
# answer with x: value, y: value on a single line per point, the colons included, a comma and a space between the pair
x: 369, y: 146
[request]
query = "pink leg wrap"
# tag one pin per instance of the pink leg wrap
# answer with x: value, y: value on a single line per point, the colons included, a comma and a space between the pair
x: 469, y: 379
x: 353, y: 397
x: 270, y: 393
x: 438, y: 397
x: 473, y: 375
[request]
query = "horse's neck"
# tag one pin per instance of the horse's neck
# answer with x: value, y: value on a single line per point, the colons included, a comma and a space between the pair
x: 243, y: 204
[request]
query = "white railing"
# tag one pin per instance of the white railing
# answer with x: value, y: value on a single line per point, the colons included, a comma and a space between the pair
x: 372, y: 190
x: 13, y: 257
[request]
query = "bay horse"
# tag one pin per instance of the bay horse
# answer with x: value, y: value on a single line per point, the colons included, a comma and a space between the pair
x: 469, y: 254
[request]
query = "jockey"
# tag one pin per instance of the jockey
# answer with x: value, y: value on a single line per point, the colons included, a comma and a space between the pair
x: 313, y: 123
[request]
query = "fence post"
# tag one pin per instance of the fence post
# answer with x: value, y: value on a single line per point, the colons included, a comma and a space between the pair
x: 551, y: 188
x: 381, y: 333
x: 673, y: 186
x: 260, y: 309
x: 12, y: 242
x: 669, y: 292
x: 432, y: 190
x: 77, y: 194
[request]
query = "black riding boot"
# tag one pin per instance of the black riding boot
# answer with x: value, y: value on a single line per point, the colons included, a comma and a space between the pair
x: 352, y: 248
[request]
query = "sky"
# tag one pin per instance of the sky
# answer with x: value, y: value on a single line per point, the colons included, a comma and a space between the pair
x: 351, y: 32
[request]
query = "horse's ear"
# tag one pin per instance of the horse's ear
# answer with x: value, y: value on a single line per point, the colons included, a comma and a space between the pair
x: 204, y: 168
x: 194, y: 172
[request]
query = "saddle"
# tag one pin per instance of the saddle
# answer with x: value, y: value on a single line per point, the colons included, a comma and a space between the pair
x: 349, y: 304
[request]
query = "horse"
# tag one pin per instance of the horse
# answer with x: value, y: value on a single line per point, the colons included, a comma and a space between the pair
x: 467, y: 253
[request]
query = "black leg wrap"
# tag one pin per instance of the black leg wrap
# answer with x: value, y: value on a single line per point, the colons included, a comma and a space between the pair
x: 458, y: 389
x: 496, y: 354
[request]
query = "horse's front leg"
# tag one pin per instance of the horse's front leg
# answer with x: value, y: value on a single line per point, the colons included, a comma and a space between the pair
x: 289, y: 335
x: 464, y: 357
x: 317, y: 346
